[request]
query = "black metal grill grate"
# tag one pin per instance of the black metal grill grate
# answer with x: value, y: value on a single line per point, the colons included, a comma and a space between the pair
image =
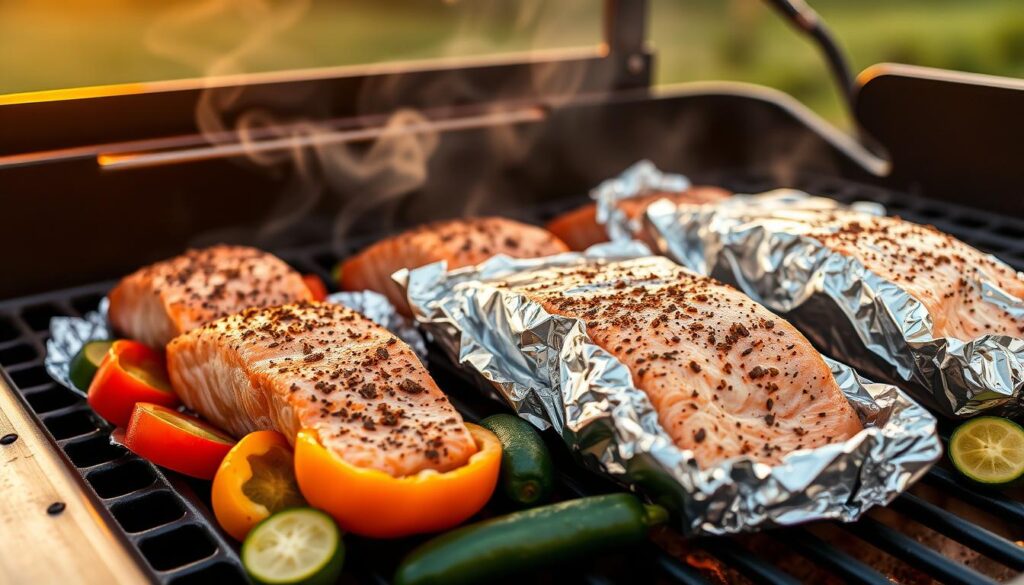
x: 166, y: 518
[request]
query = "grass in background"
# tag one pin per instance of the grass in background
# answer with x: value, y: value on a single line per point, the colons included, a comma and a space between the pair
x: 47, y: 44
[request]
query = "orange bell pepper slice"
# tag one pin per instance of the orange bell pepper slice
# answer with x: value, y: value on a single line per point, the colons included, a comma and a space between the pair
x: 255, y: 480
x: 372, y: 503
x: 130, y: 373
x: 316, y: 286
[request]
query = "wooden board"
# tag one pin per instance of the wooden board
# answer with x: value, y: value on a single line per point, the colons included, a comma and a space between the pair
x: 73, y: 546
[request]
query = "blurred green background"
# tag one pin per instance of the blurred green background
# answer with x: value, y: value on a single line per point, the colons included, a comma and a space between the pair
x: 48, y: 44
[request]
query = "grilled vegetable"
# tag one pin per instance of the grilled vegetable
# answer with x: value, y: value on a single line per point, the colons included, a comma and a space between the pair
x: 299, y: 545
x: 529, y: 540
x: 86, y: 362
x: 316, y: 286
x: 176, y: 441
x: 372, y: 503
x: 255, y: 480
x: 527, y: 475
x: 988, y: 449
x: 130, y: 372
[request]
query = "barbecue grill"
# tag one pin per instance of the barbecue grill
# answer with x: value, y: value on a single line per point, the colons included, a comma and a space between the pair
x: 85, y: 172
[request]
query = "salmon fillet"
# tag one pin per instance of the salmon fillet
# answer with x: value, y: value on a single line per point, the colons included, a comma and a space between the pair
x: 579, y: 228
x: 933, y: 267
x: 726, y: 376
x: 156, y: 303
x: 320, y: 366
x: 461, y: 242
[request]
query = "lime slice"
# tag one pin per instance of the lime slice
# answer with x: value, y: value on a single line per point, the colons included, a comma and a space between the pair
x: 85, y: 363
x: 988, y: 449
x: 298, y: 545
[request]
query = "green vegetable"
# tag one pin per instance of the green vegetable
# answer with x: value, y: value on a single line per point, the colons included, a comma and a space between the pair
x: 85, y: 363
x: 527, y: 475
x: 336, y: 273
x: 298, y: 545
x: 988, y: 449
x: 529, y: 540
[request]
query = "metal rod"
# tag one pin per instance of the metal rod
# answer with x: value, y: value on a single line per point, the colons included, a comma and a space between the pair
x: 988, y: 543
x: 806, y: 20
x: 908, y: 550
x: 834, y: 560
x: 134, y: 160
x: 755, y: 568
x: 205, y: 139
x: 999, y: 505
x: 625, y: 42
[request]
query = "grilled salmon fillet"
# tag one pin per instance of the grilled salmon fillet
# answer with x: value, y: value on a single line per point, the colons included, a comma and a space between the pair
x: 320, y: 366
x: 933, y: 267
x: 579, y: 228
x: 726, y: 376
x: 461, y: 242
x: 166, y: 299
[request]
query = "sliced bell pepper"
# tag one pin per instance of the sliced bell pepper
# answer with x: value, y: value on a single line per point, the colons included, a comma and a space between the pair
x: 129, y: 373
x: 373, y: 503
x: 176, y: 441
x: 316, y: 286
x: 255, y: 480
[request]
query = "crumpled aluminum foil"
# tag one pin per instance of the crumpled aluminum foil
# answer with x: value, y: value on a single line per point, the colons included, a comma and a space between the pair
x: 642, y: 178
x: 548, y: 369
x: 755, y: 243
x: 69, y: 334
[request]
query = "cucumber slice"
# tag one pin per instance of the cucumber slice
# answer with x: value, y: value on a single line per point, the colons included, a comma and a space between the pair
x: 989, y: 450
x: 85, y: 363
x: 298, y: 545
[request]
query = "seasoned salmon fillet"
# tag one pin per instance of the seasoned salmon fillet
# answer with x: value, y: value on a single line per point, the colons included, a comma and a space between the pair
x: 935, y: 268
x: 166, y: 299
x: 461, y: 242
x: 726, y: 376
x: 320, y: 366
x: 579, y: 228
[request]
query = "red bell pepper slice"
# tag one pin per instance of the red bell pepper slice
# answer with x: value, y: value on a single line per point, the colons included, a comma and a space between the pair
x: 130, y: 372
x: 176, y: 441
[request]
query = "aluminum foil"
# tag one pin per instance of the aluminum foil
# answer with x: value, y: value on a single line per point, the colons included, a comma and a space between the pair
x: 643, y: 178
x: 547, y: 368
x: 69, y: 334
x: 755, y: 242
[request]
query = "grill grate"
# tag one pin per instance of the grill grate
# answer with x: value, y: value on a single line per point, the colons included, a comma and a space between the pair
x: 166, y: 517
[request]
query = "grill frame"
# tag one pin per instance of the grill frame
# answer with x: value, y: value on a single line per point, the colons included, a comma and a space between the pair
x: 136, y: 492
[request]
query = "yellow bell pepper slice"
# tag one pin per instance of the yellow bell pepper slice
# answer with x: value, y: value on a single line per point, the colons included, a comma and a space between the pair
x: 255, y: 479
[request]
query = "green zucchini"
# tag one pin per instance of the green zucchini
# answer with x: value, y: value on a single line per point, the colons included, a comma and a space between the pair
x: 527, y: 474
x: 85, y: 363
x: 529, y: 540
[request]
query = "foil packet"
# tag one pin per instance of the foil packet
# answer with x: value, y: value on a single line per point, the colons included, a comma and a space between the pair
x: 69, y: 334
x: 754, y: 242
x: 552, y: 374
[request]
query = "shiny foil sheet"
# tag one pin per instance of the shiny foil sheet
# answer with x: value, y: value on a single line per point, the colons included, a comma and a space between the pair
x: 69, y: 334
x: 552, y: 374
x: 755, y: 243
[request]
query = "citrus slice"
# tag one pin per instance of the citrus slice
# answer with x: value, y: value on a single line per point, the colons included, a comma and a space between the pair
x: 298, y: 545
x: 988, y: 449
